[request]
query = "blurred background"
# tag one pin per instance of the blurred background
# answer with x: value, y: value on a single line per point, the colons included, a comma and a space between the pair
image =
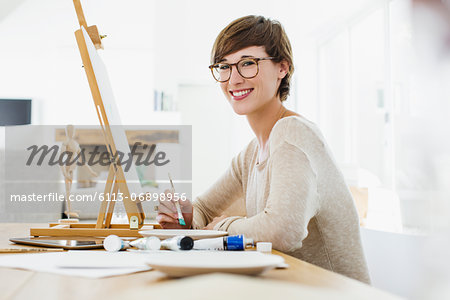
x: 372, y: 74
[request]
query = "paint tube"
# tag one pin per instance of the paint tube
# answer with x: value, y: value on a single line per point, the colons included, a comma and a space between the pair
x: 147, y: 243
x: 178, y: 243
x: 235, y: 242
x: 113, y: 243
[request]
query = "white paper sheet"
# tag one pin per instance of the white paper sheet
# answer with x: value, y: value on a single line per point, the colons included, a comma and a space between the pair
x: 89, y: 264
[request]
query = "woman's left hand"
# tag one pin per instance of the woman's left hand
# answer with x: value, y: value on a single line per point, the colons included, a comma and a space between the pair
x: 214, y: 222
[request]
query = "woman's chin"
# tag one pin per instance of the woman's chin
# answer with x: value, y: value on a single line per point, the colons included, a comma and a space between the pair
x: 240, y: 109
x: 241, y: 113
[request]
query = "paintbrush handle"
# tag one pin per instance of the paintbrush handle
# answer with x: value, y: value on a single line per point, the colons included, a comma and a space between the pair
x: 181, y: 220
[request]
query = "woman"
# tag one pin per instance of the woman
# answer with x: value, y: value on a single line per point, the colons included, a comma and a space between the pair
x: 286, y: 178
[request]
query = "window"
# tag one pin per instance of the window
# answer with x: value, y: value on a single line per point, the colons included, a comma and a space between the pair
x: 370, y: 114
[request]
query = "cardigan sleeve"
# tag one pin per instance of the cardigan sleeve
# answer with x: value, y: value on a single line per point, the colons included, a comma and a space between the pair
x: 292, y: 202
x: 223, y: 193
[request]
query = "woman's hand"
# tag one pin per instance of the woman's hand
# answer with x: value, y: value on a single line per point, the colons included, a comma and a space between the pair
x: 214, y: 222
x: 167, y: 212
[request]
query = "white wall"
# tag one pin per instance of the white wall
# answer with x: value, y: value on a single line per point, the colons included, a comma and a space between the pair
x: 150, y: 44
x: 40, y: 59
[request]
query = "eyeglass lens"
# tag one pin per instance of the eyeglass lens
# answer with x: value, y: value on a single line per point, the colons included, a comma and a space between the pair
x: 247, y: 68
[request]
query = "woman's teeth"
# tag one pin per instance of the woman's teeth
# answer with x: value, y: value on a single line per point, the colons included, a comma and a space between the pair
x: 241, y: 93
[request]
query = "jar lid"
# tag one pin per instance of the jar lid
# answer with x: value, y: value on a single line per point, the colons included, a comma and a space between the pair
x: 264, y: 247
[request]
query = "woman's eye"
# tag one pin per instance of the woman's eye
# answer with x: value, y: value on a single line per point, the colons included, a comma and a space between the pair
x: 248, y: 63
x: 223, y: 67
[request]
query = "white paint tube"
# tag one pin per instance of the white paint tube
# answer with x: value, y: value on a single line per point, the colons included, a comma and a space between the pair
x: 113, y: 243
x: 178, y: 243
x: 147, y: 243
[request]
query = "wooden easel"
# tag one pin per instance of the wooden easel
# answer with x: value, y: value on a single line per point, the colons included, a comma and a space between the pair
x: 116, y: 180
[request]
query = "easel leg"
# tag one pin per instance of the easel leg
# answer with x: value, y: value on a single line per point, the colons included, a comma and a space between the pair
x: 105, y: 202
x: 111, y: 205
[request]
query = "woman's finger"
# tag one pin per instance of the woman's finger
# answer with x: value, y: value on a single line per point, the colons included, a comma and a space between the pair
x: 185, y: 203
x: 167, y: 200
x: 164, y: 210
x: 167, y: 221
x: 166, y: 218
x: 170, y: 225
x: 167, y: 206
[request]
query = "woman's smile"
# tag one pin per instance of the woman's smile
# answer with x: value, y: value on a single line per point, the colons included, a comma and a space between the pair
x: 240, y: 94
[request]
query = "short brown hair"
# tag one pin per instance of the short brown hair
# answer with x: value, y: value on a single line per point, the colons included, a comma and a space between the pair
x: 256, y: 31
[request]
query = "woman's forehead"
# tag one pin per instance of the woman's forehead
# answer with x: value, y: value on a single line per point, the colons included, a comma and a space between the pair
x: 252, y: 51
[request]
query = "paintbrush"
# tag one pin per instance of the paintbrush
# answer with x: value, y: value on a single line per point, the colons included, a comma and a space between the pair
x: 177, y: 205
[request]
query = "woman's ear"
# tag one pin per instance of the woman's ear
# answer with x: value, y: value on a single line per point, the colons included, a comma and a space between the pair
x: 284, y: 69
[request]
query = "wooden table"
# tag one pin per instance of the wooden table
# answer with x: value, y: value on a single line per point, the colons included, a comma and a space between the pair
x: 304, y: 279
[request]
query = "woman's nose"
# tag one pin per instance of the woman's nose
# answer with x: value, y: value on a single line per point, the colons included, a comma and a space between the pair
x: 235, y: 77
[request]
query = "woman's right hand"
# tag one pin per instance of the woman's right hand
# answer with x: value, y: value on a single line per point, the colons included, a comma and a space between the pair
x: 167, y: 212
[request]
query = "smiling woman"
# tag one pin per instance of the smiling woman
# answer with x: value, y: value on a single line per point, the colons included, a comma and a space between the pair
x: 286, y: 179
